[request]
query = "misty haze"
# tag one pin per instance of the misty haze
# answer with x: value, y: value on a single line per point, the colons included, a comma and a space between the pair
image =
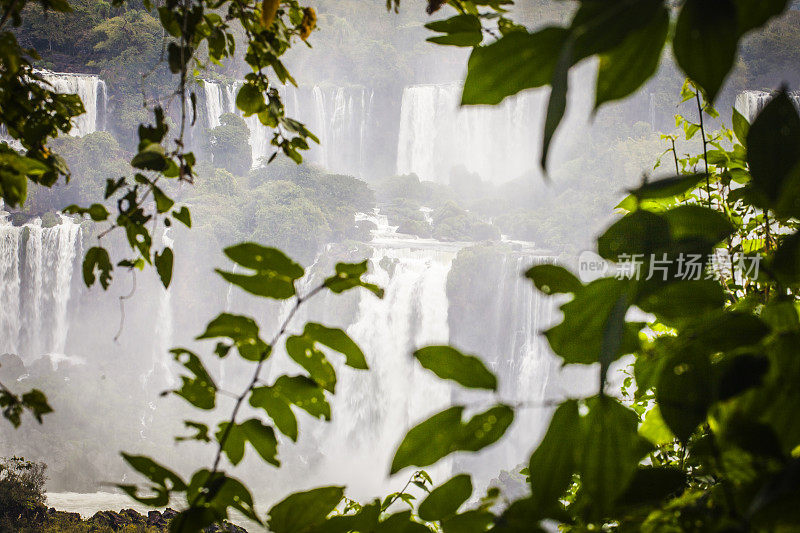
x: 429, y: 273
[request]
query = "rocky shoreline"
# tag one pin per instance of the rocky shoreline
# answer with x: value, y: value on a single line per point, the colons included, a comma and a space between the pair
x: 127, y: 520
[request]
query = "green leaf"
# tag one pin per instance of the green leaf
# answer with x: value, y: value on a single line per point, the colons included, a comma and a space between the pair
x: 557, y: 104
x: 706, y: 41
x: 150, y: 158
x: 578, y: 339
x: 365, y: 520
x: 741, y: 127
x: 684, y: 298
x: 163, y: 202
x: 445, y: 500
x: 553, y: 462
x: 274, y: 275
x: 262, y: 438
x: 684, y: 392
x: 611, y: 452
x: 474, y: 521
x: 303, y: 393
x: 511, y: 64
x: 348, y: 276
x: 651, y: 485
x: 244, y: 333
x: 13, y: 181
x: 201, y: 432
x: 155, y: 472
x: 96, y: 212
x: 277, y: 399
x: 520, y: 517
x: 774, y: 152
x: 445, y: 433
x: 256, y: 257
x: 640, y: 232
x: 601, y: 26
x: 723, y: 331
x: 304, y: 353
x: 755, y: 14
x: 654, y: 429
x: 199, y: 390
x: 448, y: 363
x: 553, y: 279
x: 183, y: 216
x: 461, y: 30
x: 668, y: 187
x: 36, y: 402
x: 697, y: 222
x: 338, y: 340
x: 250, y: 99
x: 613, y: 334
x: 163, y: 262
x: 736, y: 374
x: 401, y: 523
x: 786, y: 261
x: 233, y: 446
x: 218, y: 492
x: 97, y: 259
x: 303, y: 510
x: 484, y: 428
x: 629, y: 65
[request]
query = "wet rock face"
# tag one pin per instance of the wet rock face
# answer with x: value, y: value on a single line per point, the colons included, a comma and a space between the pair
x: 108, y: 521
x: 154, y: 519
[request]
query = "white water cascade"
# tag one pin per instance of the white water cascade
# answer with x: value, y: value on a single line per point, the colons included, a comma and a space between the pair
x: 92, y: 91
x: 339, y: 116
x: 373, y: 410
x: 499, y: 143
x: 751, y: 103
x: 36, y: 268
x: 161, y: 370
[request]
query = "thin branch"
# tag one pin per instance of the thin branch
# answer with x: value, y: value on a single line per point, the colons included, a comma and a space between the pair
x: 402, y: 491
x: 254, y: 381
x: 705, y: 150
x: 122, y: 305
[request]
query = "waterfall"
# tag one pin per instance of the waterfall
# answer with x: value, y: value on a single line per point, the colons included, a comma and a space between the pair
x: 161, y: 372
x: 750, y: 103
x: 36, y: 268
x: 92, y: 91
x: 215, y: 103
x: 373, y: 410
x: 499, y: 143
x: 339, y: 116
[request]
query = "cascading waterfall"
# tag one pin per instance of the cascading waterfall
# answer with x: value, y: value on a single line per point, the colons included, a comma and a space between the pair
x: 94, y: 96
x: 161, y: 372
x: 373, y: 409
x: 341, y: 119
x: 750, y: 103
x: 36, y: 268
x: 499, y: 143
x: 92, y: 91
x: 339, y: 116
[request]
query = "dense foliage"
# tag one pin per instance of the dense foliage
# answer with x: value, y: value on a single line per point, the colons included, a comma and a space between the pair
x: 21, y: 487
x: 708, y: 439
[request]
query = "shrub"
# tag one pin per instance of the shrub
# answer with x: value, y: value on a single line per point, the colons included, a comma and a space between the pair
x: 21, y: 486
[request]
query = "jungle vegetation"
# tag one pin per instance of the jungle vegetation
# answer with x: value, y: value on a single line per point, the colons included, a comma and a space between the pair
x: 703, y: 436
